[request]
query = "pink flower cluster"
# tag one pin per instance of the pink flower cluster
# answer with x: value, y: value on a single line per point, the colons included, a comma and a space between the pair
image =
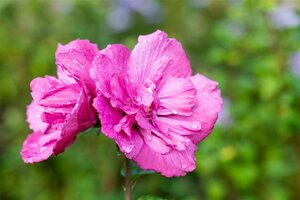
x: 146, y: 99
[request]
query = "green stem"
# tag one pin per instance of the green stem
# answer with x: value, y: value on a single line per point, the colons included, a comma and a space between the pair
x: 127, y: 180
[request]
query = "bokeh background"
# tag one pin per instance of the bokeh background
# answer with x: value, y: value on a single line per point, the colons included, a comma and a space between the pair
x: 251, y: 47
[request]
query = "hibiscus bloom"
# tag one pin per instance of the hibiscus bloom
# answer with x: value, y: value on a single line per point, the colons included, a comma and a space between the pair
x: 61, y: 108
x: 152, y: 106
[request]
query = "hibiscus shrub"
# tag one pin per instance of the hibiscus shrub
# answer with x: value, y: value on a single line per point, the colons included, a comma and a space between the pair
x: 250, y: 47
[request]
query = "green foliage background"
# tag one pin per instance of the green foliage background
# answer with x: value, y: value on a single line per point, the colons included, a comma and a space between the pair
x: 255, y: 156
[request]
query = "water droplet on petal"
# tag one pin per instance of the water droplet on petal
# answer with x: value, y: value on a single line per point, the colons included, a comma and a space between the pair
x: 30, y: 160
x: 109, y: 45
x: 138, y: 99
x: 183, y: 166
x: 174, y: 111
x: 128, y: 149
x: 194, y: 126
x: 150, y: 90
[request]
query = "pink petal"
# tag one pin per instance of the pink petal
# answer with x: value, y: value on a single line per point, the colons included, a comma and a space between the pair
x: 64, y: 75
x: 108, y: 115
x: 39, y: 86
x: 176, y: 96
x: 60, y: 96
x: 76, y: 58
x: 38, y: 146
x: 108, y: 66
x: 34, y: 117
x: 174, y: 163
x: 207, y: 107
x: 155, y: 57
x: 144, y: 96
x: 178, y: 125
x: 110, y: 118
x: 81, y: 118
x: 155, y: 143
x: 130, y: 145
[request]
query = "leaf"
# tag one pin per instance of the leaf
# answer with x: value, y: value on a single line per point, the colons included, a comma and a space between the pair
x: 92, y: 130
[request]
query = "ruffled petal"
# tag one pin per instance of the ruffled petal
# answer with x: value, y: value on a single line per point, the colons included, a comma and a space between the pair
x: 108, y: 67
x: 118, y: 128
x: 129, y: 145
x: 64, y: 75
x: 76, y: 59
x: 157, y: 57
x: 109, y: 116
x: 174, y: 163
x: 207, y: 107
x: 176, y: 96
x: 40, y: 86
x: 63, y: 95
x: 38, y: 146
x: 81, y: 118
x: 34, y: 117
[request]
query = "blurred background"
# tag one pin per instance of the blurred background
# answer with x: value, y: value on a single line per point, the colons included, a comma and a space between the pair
x: 251, y: 47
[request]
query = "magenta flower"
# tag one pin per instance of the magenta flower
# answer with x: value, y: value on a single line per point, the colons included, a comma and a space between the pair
x: 153, y: 108
x: 61, y: 108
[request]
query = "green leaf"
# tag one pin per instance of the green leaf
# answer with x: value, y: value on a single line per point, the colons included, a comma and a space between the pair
x: 92, y: 130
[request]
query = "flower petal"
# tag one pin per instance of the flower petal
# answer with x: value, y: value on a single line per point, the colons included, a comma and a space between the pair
x: 38, y: 146
x: 34, y: 117
x: 76, y: 58
x: 207, y: 107
x: 109, y: 116
x: 64, y: 75
x: 81, y: 118
x: 108, y: 66
x: 156, y: 57
x: 39, y: 86
x: 60, y: 96
x: 176, y: 96
x: 174, y: 163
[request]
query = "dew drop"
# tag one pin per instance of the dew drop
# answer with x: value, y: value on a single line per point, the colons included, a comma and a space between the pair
x: 138, y: 99
x: 117, y: 128
x: 174, y: 111
x: 128, y: 149
x: 150, y: 90
x: 194, y: 126
x: 183, y: 166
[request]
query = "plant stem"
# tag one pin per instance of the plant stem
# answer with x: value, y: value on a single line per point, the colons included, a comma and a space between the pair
x: 127, y: 180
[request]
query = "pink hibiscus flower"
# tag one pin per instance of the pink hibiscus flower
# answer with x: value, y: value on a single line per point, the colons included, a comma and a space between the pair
x: 61, y: 108
x: 153, y: 108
